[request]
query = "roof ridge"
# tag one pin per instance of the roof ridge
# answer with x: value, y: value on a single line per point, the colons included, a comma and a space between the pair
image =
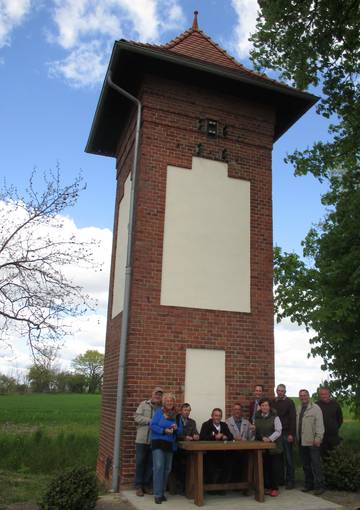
x: 179, y: 38
x: 187, y: 33
x: 167, y: 45
x: 217, y: 46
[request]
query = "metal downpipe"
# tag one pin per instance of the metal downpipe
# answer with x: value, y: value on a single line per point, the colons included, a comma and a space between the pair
x: 126, y: 308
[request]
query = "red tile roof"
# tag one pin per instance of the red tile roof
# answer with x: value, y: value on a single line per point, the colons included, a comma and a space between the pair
x: 195, y: 44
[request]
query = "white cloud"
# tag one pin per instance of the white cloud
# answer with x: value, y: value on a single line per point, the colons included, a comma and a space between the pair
x: 84, y: 66
x: 246, y: 12
x: 78, y: 18
x: 12, y: 14
x: 292, y: 366
x: 88, y: 28
x: 95, y: 282
x: 87, y: 331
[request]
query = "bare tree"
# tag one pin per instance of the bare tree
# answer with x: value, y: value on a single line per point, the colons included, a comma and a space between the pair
x: 36, y: 295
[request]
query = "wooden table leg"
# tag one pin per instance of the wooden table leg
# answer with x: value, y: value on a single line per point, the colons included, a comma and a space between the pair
x: 199, y: 479
x: 259, y: 477
x: 250, y: 470
x: 190, y: 475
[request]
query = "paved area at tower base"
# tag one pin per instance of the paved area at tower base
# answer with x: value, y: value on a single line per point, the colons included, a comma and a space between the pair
x: 294, y: 500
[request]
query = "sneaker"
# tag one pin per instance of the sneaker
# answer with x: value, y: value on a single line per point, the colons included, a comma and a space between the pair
x: 267, y: 492
x: 318, y: 492
x: 158, y: 501
x: 289, y: 486
x: 163, y: 498
x: 139, y: 492
x: 148, y: 490
x: 274, y: 493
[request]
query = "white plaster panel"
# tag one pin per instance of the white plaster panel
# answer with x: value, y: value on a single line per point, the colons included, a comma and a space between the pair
x: 121, y: 249
x: 206, y: 249
x: 204, y: 382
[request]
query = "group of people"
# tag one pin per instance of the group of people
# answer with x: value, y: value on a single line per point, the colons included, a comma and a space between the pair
x: 314, y: 426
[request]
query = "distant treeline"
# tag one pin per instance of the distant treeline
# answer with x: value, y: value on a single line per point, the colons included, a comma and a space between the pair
x: 47, y: 381
x: 45, y: 378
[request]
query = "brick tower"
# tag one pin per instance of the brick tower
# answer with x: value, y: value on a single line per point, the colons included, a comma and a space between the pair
x: 201, y: 304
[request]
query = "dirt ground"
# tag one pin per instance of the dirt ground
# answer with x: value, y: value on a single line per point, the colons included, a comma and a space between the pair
x: 104, y: 503
x: 349, y: 500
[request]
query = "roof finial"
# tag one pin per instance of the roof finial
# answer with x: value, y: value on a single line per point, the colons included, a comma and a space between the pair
x: 195, y: 25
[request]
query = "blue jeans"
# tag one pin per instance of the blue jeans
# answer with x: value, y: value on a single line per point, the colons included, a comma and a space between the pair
x: 143, y: 467
x: 310, y: 458
x: 162, y: 462
x: 288, y: 459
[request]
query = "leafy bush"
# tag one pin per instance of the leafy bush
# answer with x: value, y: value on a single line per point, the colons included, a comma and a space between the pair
x: 342, y: 469
x: 75, y: 489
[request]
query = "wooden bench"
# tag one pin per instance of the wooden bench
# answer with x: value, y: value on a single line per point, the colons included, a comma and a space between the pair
x: 195, y: 486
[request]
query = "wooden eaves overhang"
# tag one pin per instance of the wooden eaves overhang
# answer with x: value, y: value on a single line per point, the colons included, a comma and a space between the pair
x: 130, y: 61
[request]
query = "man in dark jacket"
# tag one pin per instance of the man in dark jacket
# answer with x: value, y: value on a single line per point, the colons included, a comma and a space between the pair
x: 333, y: 420
x: 286, y: 411
x: 254, y: 404
x: 216, y: 470
x: 187, y: 431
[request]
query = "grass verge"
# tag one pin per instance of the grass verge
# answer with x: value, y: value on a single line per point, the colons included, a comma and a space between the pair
x: 15, y: 487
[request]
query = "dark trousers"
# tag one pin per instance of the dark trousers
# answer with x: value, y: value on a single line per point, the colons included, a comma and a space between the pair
x: 143, y: 466
x: 287, y: 462
x: 272, y: 470
x: 238, y: 464
x: 311, y: 461
x: 328, y: 444
x: 217, y: 469
x: 179, y: 471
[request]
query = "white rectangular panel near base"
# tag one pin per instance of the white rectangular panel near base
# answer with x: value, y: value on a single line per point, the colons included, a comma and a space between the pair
x: 204, y: 382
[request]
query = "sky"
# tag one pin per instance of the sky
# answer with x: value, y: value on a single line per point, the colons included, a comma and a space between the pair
x: 53, y: 59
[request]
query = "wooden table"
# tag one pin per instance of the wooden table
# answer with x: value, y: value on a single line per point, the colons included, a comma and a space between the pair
x: 195, y: 486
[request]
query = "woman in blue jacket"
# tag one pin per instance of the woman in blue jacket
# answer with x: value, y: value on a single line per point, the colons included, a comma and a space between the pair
x: 163, y: 443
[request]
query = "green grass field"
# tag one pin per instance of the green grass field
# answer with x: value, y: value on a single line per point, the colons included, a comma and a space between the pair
x: 51, y: 412
x: 41, y: 435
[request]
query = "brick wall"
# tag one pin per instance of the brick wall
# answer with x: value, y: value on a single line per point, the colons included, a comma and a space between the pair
x: 159, y: 335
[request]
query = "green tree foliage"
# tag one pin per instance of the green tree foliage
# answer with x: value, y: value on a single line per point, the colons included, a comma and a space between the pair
x: 67, y: 382
x: 91, y: 365
x: 322, y: 291
x: 7, y: 384
x: 317, y: 43
x: 41, y: 378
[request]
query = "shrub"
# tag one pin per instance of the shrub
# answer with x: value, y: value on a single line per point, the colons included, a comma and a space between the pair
x: 342, y: 469
x: 75, y: 489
